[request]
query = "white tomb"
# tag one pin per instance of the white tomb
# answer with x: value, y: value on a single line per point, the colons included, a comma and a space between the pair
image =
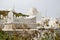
x: 8, y: 24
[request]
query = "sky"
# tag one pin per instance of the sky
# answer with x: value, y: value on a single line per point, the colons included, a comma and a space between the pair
x: 50, y: 8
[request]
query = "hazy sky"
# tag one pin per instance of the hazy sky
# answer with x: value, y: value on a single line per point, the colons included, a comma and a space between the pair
x: 50, y: 8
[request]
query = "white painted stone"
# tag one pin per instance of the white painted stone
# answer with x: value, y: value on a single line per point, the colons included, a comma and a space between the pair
x: 1, y: 16
x: 7, y: 27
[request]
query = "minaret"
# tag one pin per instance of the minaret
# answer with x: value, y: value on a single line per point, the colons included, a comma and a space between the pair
x: 46, y: 13
x: 13, y: 10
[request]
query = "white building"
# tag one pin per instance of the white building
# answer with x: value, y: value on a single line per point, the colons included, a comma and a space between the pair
x: 13, y: 22
x: 29, y: 21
